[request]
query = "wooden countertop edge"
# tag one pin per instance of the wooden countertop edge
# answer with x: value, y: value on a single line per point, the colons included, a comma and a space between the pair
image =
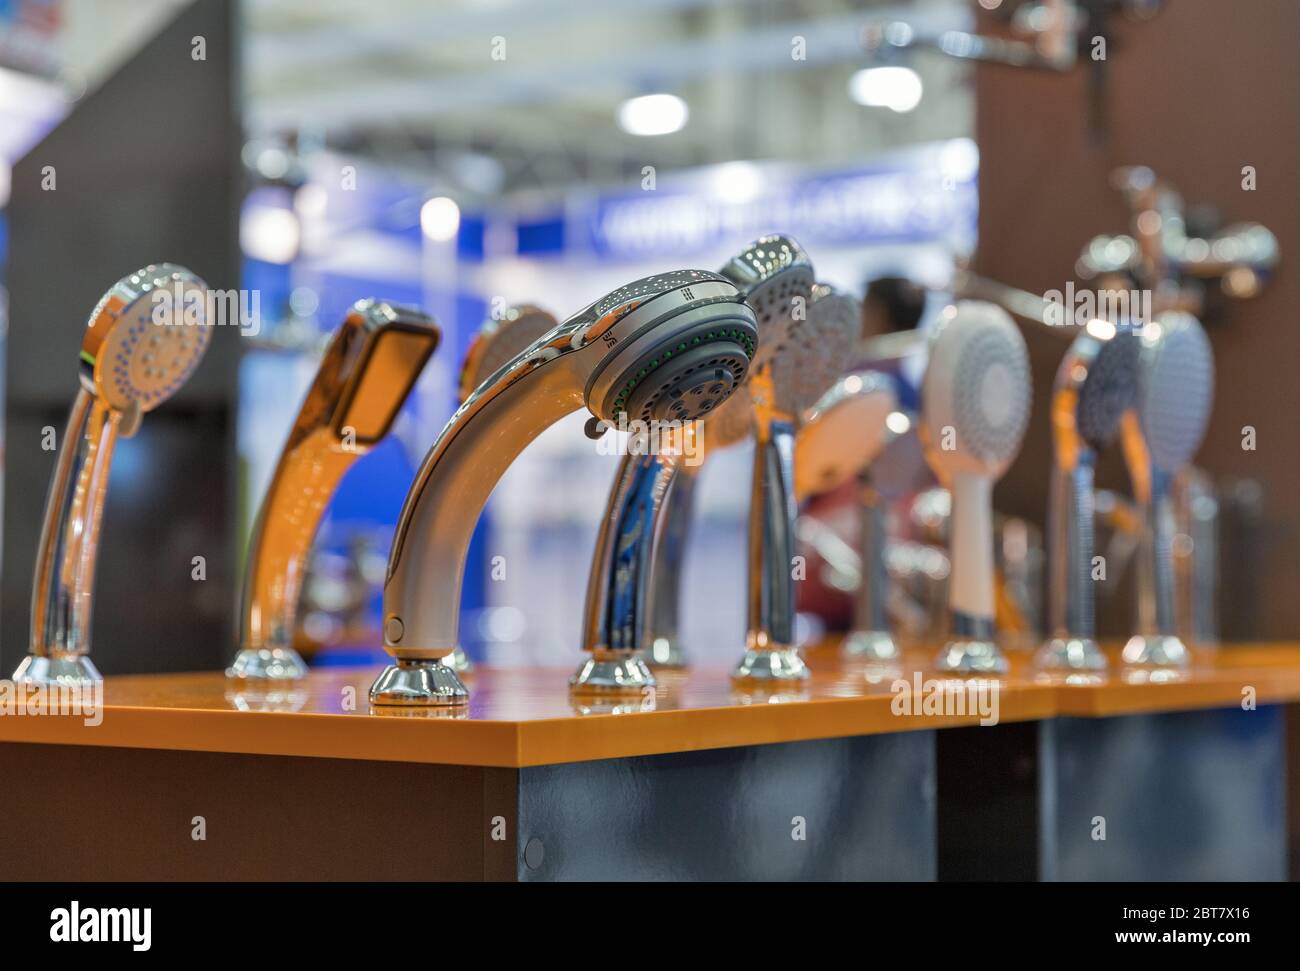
x: 545, y: 741
x: 760, y: 724
x: 499, y: 744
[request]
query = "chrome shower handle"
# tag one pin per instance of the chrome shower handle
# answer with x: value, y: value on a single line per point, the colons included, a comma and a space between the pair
x: 772, y: 520
x: 63, y: 592
x: 1160, y: 552
x: 1071, y: 599
x: 622, y: 568
x: 870, y: 605
x: 663, y: 642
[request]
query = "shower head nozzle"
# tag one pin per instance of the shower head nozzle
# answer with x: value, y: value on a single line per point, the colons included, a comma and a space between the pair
x: 145, y: 337
x: 686, y: 347
x: 976, y: 392
x: 1103, y: 368
x: 1175, y: 389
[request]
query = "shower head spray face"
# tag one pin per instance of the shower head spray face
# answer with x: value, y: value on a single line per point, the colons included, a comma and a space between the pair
x: 365, y: 375
x: 975, y: 409
x: 843, y: 432
x: 1101, y: 369
x: 672, y: 346
x: 814, y: 352
x: 1175, y: 389
x: 144, y: 338
x: 499, y: 341
x: 678, y: 364
x: 976, y: 392
x: 1175, y: 395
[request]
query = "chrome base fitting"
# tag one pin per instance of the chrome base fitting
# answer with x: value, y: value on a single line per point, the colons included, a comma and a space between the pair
x: 268, y: 664
x: 1157, y: 651
x: 56, y: 669
x: 1070, y: 654
x: 665, y: 653
x: 422, y: 682
x: 612, y: 672
x: 971, y: 656
x: 869, y: 645
x: 459, y: 661
x: 770, y: 664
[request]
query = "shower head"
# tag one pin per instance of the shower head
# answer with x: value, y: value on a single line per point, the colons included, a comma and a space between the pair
x: 776, y: 277
x: 1175, y: 389
x: 499, y: 341
x: 364, y: 377
x: 816, y: 350
x: 1175, y: 395
x: 671, y: 347
x: 843, y: 432
x: 976, y: 392
x: 144, y: 338
x: 1096, y: 387
x: 632, y: 590
x: 797, y: 372
x: 975, y: 408
x: 900, y: 469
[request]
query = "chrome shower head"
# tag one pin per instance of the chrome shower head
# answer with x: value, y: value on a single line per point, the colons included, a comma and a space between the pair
x: 671, y: 347
x: 1096, y: 387
x: 633, y: 584
x: 365, y: 375
x: 843, y: 432
x: 975, y: 409
x: 797, y: 372
x: 1175, y: 395
x: 499, y: 341
x: 144, y: 338
x: 775, y: 275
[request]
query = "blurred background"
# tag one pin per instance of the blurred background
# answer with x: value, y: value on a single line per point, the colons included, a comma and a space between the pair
x: 462, y: 155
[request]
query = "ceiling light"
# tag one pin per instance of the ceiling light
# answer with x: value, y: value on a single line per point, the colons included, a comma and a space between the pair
x: 440, y: 219
x: 270, y: 234
x: 653, y: 114
x: 896, y: 88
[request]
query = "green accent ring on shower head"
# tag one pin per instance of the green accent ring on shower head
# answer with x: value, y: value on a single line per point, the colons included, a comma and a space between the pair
x: 620, y: 411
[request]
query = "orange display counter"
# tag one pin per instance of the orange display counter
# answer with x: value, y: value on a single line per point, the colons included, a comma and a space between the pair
x: 306, y: 781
